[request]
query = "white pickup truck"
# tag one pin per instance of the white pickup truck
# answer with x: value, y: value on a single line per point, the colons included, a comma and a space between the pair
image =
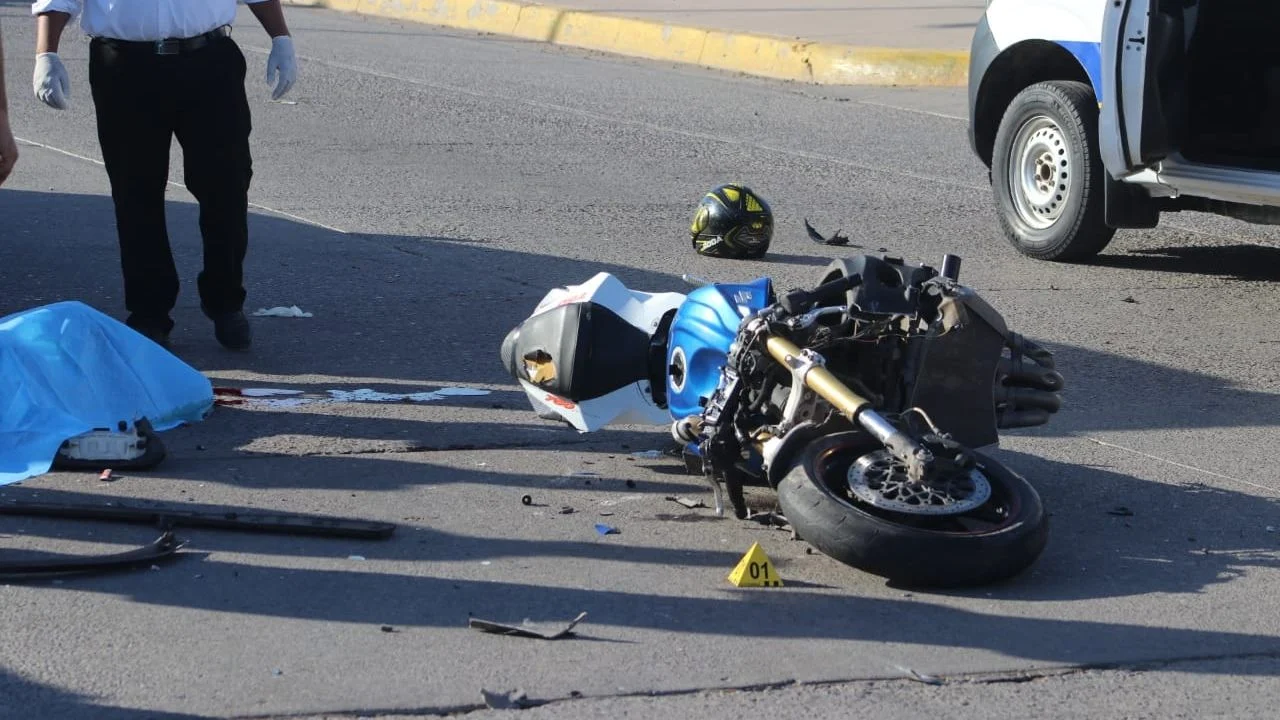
x: 1093, y: 115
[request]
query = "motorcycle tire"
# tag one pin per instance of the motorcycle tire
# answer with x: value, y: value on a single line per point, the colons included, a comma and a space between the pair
x: 994, y: 542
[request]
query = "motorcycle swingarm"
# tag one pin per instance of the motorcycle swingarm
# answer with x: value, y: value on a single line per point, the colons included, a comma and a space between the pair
x: 163, y: 547
x: 287, y: 523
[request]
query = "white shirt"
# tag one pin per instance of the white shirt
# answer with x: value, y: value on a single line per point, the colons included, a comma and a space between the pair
x: 145, y: 19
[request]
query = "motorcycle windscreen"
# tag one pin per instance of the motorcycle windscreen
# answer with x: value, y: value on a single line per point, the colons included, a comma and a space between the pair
x: 578, y: 351
x: 955, y: 384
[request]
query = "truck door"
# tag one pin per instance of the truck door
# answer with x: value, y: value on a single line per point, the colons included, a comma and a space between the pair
x: 1143, y: 110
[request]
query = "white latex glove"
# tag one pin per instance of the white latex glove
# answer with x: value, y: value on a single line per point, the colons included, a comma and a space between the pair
x: 52, y: 84
x: 282, y: 66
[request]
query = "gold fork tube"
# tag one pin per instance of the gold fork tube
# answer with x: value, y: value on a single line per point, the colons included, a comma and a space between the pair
x: 819, y: 379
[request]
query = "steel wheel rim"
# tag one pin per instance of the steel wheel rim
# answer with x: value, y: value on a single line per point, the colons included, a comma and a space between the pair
x: 1040, y: 173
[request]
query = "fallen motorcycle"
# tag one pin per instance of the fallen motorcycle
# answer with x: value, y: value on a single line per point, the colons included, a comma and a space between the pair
x: 864, y: 402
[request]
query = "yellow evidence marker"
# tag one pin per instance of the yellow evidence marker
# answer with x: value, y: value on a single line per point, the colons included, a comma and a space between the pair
x: 755, y: 570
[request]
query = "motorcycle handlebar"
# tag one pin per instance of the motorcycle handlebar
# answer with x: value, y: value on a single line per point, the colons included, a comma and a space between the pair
x: 800, y: 301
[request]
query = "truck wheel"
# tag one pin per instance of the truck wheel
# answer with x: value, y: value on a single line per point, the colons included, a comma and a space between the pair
x: 1047, y: 173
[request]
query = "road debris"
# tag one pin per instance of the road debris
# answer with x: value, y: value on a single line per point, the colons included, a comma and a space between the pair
x: 293, y: 311
x: 566, y: 510
x: 920, y: 677
x: 835, y: 239
x: 607, y: 530
x: 285, y: 398
x: 223, y: 519
x: 509, y: 700
x: 165, y: 546
x: 526, y: 500
x: 648, y: 454
x: 497, y: 628
x: 1121, y: 511
x: 691, y: 504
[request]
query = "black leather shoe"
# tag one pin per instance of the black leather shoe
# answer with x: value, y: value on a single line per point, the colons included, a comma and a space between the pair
x: 153, y: 331
x: 232, y: 330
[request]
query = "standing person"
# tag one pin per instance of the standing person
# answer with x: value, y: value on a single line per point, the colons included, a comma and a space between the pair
x: 158, y: 70
x: 8, y: 148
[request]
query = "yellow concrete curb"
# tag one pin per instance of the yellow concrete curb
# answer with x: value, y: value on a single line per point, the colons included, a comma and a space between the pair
x: 761, y: 55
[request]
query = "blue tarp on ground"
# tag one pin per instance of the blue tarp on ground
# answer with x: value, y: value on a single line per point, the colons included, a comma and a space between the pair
x: 66, y: 369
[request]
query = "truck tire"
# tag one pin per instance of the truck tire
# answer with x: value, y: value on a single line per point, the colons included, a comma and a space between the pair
x: 1047, y: 173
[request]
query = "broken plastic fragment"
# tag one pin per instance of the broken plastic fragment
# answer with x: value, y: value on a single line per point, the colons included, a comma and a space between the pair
x: 489, y: 626
x: 606, y: 530
x: 280, y: 311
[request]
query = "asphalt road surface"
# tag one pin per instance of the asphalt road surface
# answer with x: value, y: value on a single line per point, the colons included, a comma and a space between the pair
x: 418, y: 194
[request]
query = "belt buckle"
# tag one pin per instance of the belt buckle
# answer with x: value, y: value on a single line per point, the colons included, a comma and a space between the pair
x: 168, y: 46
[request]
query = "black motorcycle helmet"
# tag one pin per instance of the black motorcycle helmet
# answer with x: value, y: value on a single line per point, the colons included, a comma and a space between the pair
x: 732, y: 222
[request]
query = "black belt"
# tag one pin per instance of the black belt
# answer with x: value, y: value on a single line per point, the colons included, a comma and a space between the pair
x: 170, y: 46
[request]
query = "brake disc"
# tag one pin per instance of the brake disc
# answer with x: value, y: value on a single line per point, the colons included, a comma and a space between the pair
x: 881, y: 480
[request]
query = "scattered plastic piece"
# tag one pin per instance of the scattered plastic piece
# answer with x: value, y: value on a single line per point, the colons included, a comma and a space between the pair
x: 648, y: 454
x: 1121, y: 511
x: 691, y: 504
x: 355, y: 557
x: 489, y: 626
x: 566, y: 510
x: 106, y: 476
x: 388, y: 629
x: 291, y: 311
x: 270, y: 397
x: 267, y: 392
x: 607, y: 530
x: 584, y: 473
x: 755, y: 569
x: 509, y: 700
x: 920, y: 677
x: 836, y: 239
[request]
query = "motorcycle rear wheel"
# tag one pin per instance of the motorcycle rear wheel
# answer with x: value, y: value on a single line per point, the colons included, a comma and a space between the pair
x: 990, y: 543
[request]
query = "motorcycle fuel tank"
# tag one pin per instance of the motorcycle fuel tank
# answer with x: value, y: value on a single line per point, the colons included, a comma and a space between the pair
x: 701, y: 334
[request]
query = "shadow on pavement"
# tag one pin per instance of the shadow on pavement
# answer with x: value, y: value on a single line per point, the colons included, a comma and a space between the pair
x: 422, y: 312
x: 398, y: 599
x: 18, y: 696
x: 432, y: 311
x: 1239, y: 262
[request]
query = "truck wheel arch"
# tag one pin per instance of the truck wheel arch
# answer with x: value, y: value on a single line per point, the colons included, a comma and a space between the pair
x: 1016, y: 68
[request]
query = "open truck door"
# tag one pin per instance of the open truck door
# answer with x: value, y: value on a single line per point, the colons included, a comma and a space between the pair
x: 1143, y: 111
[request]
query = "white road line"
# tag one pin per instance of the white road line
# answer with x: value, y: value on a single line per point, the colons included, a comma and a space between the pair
x: 1184, y: 466
x: 256, y: 206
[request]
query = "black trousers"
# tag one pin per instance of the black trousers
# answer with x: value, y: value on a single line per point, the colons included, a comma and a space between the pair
x: 142, y: 101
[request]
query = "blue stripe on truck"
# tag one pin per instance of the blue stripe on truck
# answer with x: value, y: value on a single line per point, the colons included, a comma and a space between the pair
x: 1090, y: 56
